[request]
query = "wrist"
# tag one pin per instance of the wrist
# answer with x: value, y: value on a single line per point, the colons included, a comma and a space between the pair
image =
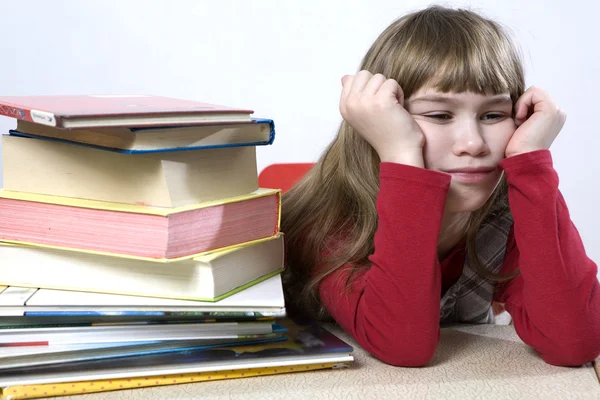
x: 514, y: 154
x: 527, y: 160
x: 523, y: 151
x: 413, y: 157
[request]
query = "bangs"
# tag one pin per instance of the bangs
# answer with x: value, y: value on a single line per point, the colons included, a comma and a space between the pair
x: 451, y: 51
x: 479, y: 62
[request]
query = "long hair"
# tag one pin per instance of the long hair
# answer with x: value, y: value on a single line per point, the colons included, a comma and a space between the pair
x: 329, y: 217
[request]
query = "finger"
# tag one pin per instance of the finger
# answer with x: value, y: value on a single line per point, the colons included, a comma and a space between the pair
x: 346, y: 86
x: 374, y: 84
x: 562, y: 117
x: 533, y: 100
x: 360, y: 81
x: 347, y: 81
x: 542, y: 101
x: 523, y: 105
x: 391, y: 88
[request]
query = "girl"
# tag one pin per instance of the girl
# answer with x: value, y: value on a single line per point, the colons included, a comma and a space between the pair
x: 437, y: 197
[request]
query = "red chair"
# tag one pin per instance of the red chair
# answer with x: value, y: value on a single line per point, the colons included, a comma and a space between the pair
x: 283, y: 176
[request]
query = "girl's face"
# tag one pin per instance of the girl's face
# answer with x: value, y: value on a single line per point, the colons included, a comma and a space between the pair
x: 465, y: 135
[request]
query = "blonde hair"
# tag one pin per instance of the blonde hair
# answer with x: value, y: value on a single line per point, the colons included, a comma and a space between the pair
x: 329, y: 217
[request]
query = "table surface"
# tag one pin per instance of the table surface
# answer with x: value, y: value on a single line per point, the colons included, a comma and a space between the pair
x: 481, y: 361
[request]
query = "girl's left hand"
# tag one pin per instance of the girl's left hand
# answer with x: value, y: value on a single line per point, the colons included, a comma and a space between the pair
x: 538, y: 119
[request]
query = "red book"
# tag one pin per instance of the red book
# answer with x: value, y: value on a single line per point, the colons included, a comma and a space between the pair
x: 117, y: 110
x: 154, y: 233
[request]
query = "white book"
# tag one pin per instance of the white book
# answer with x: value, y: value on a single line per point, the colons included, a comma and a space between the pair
x: 159, y: 179
x: 210, y: 277
x: 132, y: 333
x: 265, y: 298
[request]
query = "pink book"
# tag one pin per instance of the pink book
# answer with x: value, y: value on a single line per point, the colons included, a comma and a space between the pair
x: 117, y: 110
x: 161, y: 234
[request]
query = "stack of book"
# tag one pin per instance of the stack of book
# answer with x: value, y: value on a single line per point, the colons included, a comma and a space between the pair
x: 135, y: 242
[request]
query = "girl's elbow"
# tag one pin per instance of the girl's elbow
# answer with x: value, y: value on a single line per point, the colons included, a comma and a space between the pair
x: 407, y: 355
x: 574, y: 355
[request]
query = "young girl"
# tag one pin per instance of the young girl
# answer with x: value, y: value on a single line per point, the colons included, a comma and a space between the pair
x: 437, y: 197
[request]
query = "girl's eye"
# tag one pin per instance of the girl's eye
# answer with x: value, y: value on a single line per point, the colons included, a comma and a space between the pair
x: 492, y: 116
x: 439, y: 116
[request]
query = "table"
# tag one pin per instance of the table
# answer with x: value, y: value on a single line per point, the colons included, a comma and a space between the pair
x: 471, y: 362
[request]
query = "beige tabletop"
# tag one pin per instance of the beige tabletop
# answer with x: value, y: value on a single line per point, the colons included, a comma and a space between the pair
x: 472, y: 362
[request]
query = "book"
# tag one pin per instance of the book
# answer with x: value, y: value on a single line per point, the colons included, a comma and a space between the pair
x: 44, y: 321
x: 19, y: 392
x: 210, y: 277
x: 23, y: 356
x: 265, y: 299
x: 162, y: 179
x: 257, y: 132
x: 88, y: 111
x: 14, y: 295
x: 153, y: 233
x: 307, y: 343
x: 165, y: 179
x: 132, y: 333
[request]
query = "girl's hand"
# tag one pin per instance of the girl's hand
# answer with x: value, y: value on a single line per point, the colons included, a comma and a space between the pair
x: 539, y: 121
x: 374, y: 107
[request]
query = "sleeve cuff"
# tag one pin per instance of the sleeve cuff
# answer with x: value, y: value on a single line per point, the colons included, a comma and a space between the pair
x: 527, y: 160
x: 411, y: 174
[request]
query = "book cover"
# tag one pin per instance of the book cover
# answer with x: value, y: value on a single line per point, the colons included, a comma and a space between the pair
x: 19, y: 322
x: 129, y: 208
x: 31, y: 337
x: 80, y: 111
x: 140, y: 313
x: 258, y: 132
x: 17, y: 357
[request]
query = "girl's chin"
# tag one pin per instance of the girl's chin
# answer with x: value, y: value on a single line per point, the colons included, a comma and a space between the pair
x: 466, y: 201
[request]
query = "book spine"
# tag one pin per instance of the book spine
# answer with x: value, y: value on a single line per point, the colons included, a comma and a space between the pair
x: 31, y: 115
x: 83, y: 387
x: 271, y: 129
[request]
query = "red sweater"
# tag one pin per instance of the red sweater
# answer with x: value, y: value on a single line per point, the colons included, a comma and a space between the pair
x: 393, y: 309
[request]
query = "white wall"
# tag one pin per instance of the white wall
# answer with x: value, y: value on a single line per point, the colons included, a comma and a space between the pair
x: 284, y: 59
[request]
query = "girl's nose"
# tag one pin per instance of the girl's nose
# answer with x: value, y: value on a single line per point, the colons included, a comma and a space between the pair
x: 469, y: 140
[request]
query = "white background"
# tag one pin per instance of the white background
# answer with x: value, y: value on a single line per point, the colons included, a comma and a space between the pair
x: 284, y: 59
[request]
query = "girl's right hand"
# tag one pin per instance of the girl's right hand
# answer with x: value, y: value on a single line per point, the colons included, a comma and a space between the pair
x: 374, y: 107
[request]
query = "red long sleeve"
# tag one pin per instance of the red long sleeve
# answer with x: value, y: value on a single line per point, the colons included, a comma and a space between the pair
x: 555, y: 302
x: 393, y: 310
